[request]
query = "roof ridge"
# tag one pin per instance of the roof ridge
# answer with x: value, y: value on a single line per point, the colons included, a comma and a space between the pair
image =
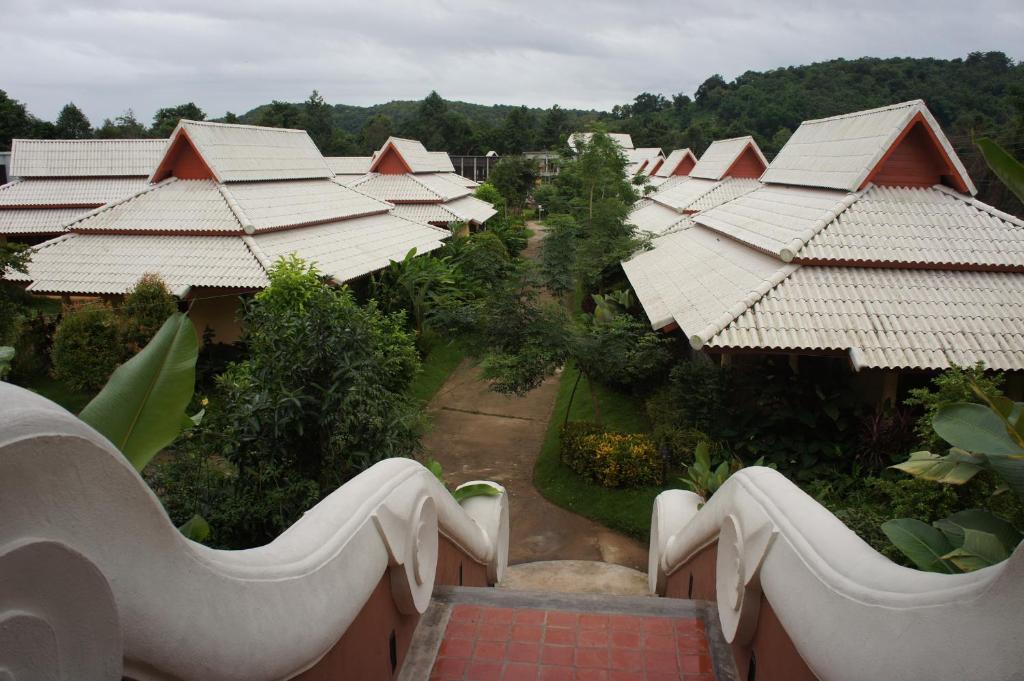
x: 257, y: 253
x: 867, y: 112
x: 389, y: 206
x: 120, y: 140
x: 114, y: 204
x: 753, y: 297
x: 980, y: 205
x: 216, y: 124
x: 789, y: 251
x: 244, y: 222
x: 714, y: 185
x: 422, y: 184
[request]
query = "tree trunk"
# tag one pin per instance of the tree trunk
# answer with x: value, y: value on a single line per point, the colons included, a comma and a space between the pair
x: 595, y: 402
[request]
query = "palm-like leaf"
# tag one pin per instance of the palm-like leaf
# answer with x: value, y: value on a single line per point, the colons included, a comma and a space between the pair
x: 141, y: 407
x: 1009, y: 170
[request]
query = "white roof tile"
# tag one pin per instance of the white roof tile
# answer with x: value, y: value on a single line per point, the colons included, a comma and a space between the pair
x: 620, y: 138
x: 643, y: 159
x: 426, y: 212
x: 113, y: 263
x: 841, y: 151
x: 239, y: 153
x: 700, y: 280
x: 84, y: 158
x: 395, y: 188
x: 471, y: 209
x: 273, y: 205
x: 890, y: 318
x: 668, y: 168
x: 654, y: 218
x: 417, y: 157
x: 349, y: 165
x: 351, y: 248
x: 719, y: 157
x: 28, y: 221
x: 90, y: 192
x: 680, y: 195
x: 442, y: 186
x: 173, y: 205
x: 455, y: 178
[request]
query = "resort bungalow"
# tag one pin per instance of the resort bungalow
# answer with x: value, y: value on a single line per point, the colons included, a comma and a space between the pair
x: 422, y: 185
x: 865, y: 243
x: 56, y: 181
x: 678, y: 164
x: 727, y: 169
x: 624, y: 141
x: 644, y: 161
x: 224, y: 203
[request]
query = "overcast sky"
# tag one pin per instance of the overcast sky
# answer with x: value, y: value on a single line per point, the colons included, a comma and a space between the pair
x: 108, y: 55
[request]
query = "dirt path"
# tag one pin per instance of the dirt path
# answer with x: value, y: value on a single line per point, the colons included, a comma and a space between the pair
x: 479, y: 434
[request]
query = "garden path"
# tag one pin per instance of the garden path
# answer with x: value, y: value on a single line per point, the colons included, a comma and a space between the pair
x: 481, y: 435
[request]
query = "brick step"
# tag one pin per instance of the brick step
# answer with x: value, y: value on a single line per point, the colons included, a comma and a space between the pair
x: 481, y: 634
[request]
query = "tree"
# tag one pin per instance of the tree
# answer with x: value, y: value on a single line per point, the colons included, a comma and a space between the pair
x: 375, y: 133
x: 15, y: 121
x: 317, y: 121
x: 166, y: 119
x: 230, y: 117
x: 297, y: 419
x: 514, y: 177
x: 554, y: 128
x: 125, y: 126
x: 13, y: 258
x: 280, y: 114
x: 519, y: 132
x: 72, y: 124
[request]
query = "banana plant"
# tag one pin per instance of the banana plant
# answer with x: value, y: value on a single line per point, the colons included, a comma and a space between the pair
x: 987, y: 436
x: 1009, y: 170
x: 141, y: 409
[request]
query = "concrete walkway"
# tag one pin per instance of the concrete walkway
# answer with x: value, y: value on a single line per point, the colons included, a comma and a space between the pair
x: 478, y: 434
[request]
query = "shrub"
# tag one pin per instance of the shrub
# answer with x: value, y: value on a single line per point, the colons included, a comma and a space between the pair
x: 952, y: 385
x: 145, y: 309
x: 33, y: 345
x: 610, y: 459
x: 87, y: 347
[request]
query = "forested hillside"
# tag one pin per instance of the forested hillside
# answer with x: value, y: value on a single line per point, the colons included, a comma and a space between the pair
x: 982, y: 94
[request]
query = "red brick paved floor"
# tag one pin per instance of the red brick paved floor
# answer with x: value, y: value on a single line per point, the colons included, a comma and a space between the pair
x: 484, y: 643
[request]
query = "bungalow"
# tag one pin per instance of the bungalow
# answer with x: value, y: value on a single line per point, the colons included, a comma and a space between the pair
x: 422, y: 185
x: 726, y: 170
x: 864, y: 243
x: 678, y: 165
x: 622, y: 139
x: 56, y: 181
x: 223, y: 204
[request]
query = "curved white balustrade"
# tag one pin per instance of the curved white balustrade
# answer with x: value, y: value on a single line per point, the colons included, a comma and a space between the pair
x: 852, y: 614
x: 94, y: 576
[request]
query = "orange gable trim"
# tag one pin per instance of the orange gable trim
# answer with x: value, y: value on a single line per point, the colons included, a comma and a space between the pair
x: 390, y: 162
x: 183, y: 161
x: 747, y: 165
x: 657, y: 165
x: 916, y: 158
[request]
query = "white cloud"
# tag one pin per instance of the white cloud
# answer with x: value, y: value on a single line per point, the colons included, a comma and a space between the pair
x: 108, y: 55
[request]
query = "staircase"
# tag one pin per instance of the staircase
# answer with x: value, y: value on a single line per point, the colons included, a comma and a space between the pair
x: 482, y: 634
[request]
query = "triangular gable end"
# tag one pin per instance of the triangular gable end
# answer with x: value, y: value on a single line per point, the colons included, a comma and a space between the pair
x: 657, y: 164
x: 390, y: 162
x: 749, y: 164
x: 684, y: 167
x: 182, y: 160
x: 916, y: 158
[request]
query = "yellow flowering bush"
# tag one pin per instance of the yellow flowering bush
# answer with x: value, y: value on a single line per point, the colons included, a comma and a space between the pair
x: 610, y: 459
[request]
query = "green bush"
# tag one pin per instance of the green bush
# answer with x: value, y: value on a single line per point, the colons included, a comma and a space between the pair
x: 610, y: 459
x: 87, y: 347
x: 952, y: 385
x: 33, y: 347
x: 144, y: 311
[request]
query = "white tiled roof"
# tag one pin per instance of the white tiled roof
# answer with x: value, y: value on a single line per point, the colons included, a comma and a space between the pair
x: 776, y: 219
x: 37, y: 220
x: 273, y: 205
x: 620, y: 138
x: 425, y: 212
x: 719, y: 157
x: 170, y: 206
x: 90, y: 192
x: 442, y: 186
x: 113, y: 263
x: 397, y: 188
x: 890, y: 318
x: 418, y: 158
x: 672, y: 162
x: 348, y: 180
x: 637, y: 158
x: 679, y: 196
x: 840, y: 152
x: 349, y: 165
x: 700, y: 280
x: 471, y: 209
x: 455, y: 178
x: 84, y: 158
x: 919, y: 226
x: 654, y: 218
x: 351, y: 248
x: 663, y: 183
x: 238, y: 153
x: 728, y: 189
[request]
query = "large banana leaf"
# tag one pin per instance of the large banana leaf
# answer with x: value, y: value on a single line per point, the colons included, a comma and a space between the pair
x: 1008, y: 169
x: 976, y: 428
x: 980, y: 549
x: 921, y: 543
x: 141, y: 407
x: 955, y: 468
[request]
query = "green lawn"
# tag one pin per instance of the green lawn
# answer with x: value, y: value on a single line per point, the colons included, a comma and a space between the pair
x: 55, y: 390
x: 625, y: 510
x: 438, y: 365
